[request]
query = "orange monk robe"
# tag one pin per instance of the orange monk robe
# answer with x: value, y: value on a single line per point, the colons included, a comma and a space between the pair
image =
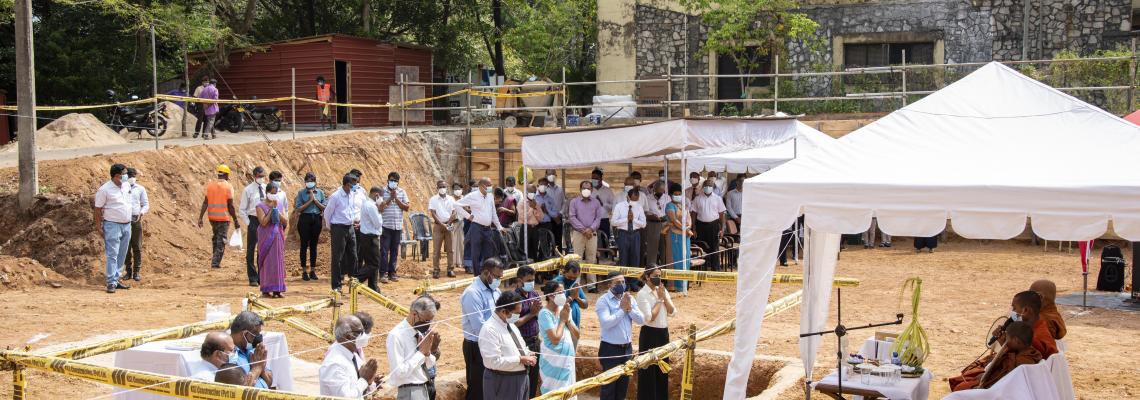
x: 1042, y: 340
x: 1005, y: 363
x: 971, y: 376
x: 1052, y: 318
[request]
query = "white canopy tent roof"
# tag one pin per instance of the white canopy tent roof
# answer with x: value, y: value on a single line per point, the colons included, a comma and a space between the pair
x: 988, y: 152
x: 760, y: 159
x: 650, y: 142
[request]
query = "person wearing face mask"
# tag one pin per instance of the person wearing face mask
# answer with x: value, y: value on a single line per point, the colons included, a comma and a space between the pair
x: 734, y: 201
x: 527, y: 321
x: 551, y: 210
x: 343, y: 372
x: 718, y: 184
x: 708, y: 211
x: 507, y: 211
x: 393, y: 205
x: 250, y: 353
x: 477, y: 304
x: 251, y: 196
x: 586, y: 214
x: 605, y: 195
x: 575, y: 295
x: 679, y: 235
x: 557, y: 206
x: 559, y: 339
x: 368, y: 241
x: 1025, y: 308
x: 271, y: 243
x: 340, y: 219
x: 483, y: 223
x: 413, y: 349
x: 113, y: 222
x: 219, y: 204
x: 278, y: 178
x: 310, y: 203
x: 657, y: 306
x: 458, y: 231
x: 217, y: 350
x: 617, y: 312
x: 694, y: 186
x: 441, y: 212
x: 504, y: 354
x: 530, y: 212
x: 629, y: 221
x: 651, y: 236
x: 140, y: 205
x: 510, y: 190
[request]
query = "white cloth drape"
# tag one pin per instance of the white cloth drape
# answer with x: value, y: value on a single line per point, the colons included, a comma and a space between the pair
x: 753, y: 284
x: 820, y: 257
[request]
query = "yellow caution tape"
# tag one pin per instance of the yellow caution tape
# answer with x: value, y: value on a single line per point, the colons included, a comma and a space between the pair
x: 649, y: 358
x: 87, y: 107
x: 541, y: 266
x: 167, y: 385
x: 19, y: 384
x: 222, y: 101
x: 480, y: 93
x: 702, y: 276
x: 329, y: 103
x: 687, y: 375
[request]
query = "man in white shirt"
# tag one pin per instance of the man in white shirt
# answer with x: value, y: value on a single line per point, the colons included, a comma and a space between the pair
x: 113, y: 221
x: 628, y: 221
x: 734, y: 201
x: 217, y: 349
x: 708, y: 211
x: 718, y: 183
x: 343, y: 372
x: 484, y: 223
x: 655, y: 216
x: 140, y: 205
x: 505, y: 355
x: 441, y: 211
x: 413, y: 351
x: 368, y: 244
x: 251, y: 196
x: 341, y: 220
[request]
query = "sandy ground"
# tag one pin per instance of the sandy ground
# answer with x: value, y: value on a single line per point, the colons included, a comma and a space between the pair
x: 966, y: 284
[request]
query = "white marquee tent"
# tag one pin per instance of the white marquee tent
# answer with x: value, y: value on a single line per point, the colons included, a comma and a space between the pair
x: 987, y: 152
x: 760, y: 159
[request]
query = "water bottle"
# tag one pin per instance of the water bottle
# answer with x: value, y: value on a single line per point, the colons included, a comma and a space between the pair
x: 895, y: 358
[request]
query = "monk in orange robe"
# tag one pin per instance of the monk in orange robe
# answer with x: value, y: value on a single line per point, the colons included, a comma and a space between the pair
x: 1049, y: 313
x: 1016, y: 352
x: 1026, y: 307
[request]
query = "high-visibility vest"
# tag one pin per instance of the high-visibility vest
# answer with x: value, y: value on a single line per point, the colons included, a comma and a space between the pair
x: 324, y: 92
x: 218, y: 195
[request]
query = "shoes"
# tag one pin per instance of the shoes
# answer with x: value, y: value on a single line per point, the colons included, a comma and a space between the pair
x: 885, y: 245
x: 120, y: 285
x: 304, y: 275
x: 254, y: 284
x: 313, y: 275
x: 135, y: 276
x: 435, y: 275
x: 450, y: 274
x: 384, y: 280
x: 393, y: 278
x: 110, y: 288
x: 932, y: 251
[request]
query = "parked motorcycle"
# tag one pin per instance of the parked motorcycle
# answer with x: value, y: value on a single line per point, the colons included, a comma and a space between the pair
x: 268, y: 117
x: 230, y: 118
x: 137, y: 118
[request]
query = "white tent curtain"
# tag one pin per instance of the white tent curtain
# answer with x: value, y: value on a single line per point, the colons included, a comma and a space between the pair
x: 822, y: 254
x: 760, y: 159
x: 988, y: 152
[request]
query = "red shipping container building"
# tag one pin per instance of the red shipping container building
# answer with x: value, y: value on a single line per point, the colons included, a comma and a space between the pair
x: 362, y: 71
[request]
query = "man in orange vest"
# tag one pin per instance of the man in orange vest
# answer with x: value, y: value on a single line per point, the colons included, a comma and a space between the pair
x: 325, y: 94
x: 219, y: 204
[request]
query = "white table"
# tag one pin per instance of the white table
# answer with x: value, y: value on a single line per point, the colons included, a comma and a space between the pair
x: 907, y: 389
x: 157, y: 358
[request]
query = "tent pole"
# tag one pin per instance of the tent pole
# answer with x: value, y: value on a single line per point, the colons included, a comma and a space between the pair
x: 526, y: 209
x: 686, y: 252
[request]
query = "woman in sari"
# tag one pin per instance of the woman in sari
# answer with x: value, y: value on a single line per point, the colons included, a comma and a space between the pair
x: 678, y: 235
x: 271, y: 243
x: 558, y: 339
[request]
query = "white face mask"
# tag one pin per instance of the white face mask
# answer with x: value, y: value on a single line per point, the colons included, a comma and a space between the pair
x: 661, y: 178
x: 310, y: 185
x: 513, y: 318
x: 262, y: 180
x: 542, y: 189
x: 586, y: 193
x: 550, y: 178
x: 708, y: 189
x: 560, y: 299
x: 510, y: 189
x: 694, y: 181
x: 131, y: 180
x: 627, y: 188
x: 677, y: 199
x: 458, y: 192
x: 442, y: 191
x: 362, y: 341
x: 1013, y: 315
x: 637, y: 182
x: 530, y: 196
x: 392, y: 184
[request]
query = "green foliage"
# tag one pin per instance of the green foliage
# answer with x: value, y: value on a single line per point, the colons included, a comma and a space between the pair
x: 547, y: 35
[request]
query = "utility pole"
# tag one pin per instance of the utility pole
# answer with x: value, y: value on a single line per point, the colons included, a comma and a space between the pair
x: 26, y: 105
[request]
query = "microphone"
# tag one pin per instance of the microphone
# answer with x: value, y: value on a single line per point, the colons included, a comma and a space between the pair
x: 1003, y: 327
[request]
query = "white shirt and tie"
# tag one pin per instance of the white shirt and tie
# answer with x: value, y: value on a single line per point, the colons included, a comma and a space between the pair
x: 339, y: 210
x: 502, y: 346
x: 482, y: 208
x: 340, y: 373
x: 251, y: 196
x: 406, y: 364
x: 620, y: 218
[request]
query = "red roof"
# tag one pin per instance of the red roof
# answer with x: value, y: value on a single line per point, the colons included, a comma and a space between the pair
x: 1134, y: 117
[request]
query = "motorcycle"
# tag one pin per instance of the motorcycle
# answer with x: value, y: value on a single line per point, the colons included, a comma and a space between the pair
x: 230, y: 117
x: 268, y: 117
x: 137, y: 118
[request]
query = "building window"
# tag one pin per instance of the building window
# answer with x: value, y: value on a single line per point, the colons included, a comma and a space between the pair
x: 883, y: 54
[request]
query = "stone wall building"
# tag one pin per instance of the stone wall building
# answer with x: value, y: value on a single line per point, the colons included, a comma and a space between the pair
x: 648, y: 38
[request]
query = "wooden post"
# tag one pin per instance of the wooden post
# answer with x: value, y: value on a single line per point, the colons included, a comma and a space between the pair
x: 1132, y: 78
x: 352, y: 284
x: 154, y: 84
x: 26, y: 105
x: 687, y: 373
x: 403, y: 105
x: 189, y: 90
x: 565, y: 91
x: 293, y: 107
x: 904, y: 78
x: 335, y: 310
x: 776, y: 87
x: 470, y: 116
x: 502, y: 155
x: 669, y: 91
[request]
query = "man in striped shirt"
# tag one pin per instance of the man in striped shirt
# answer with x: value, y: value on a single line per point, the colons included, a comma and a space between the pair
x: 393, y: 204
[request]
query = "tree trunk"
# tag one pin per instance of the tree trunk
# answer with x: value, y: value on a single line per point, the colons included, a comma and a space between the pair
x: 366, y: 15
x: 497, y: 17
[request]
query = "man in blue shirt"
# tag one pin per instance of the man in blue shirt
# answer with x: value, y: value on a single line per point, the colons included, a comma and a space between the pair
x: 249, y: 351
x: 478, y: 303
x: 575, y: 296
x: 616, y: 313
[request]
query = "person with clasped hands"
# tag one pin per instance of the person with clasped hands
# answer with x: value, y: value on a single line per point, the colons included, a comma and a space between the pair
x: 343, y: 372
x: 617, y: 312
x: 504, y: 353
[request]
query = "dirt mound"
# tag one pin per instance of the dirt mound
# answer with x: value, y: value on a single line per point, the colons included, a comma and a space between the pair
x: 76, y: 130
x: 58, y: 232
x: 21, y: 273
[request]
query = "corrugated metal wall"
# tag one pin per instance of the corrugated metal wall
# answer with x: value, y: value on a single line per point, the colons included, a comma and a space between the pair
x: 372, y: 66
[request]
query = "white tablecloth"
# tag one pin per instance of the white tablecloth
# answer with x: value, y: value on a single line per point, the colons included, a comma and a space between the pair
x: 907, y: 389
x: 155, y: 357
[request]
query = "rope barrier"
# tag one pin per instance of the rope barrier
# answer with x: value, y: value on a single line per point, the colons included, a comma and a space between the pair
x: 702, y: 276
x: 541, y: 266
x: 85, y: 107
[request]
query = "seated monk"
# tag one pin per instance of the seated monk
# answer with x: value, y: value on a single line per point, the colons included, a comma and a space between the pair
x: 1049, y: 313
x: 1026, y: 307
x: 1017, y: 351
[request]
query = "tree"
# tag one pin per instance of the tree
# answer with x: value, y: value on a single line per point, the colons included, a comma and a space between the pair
x: 547, y: 35
x: 750, y: 31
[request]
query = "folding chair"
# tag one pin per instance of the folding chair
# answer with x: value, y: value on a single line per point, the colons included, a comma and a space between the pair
x: 409, y: 239
x: 421, y: 232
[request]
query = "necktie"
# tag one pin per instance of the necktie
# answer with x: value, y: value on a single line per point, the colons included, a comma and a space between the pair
x: 518, y: 345
x: 354, y: 366
x: 261, y: 191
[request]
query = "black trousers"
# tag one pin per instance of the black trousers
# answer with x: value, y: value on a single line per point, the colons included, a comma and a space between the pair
x: 629, y: 247
x: 343, y: 254
x: 473, y: 362
x: 309, y: 229
x: 532, y: 236
x: 785, y: 245
x: 708, y: 233
x: 134, y: 250
x: 613, y: 355
x: 652, y: 383
x: 920, y: 242
x: 369, y: 252
x: 532, y: 372
x: 251, y: 250
x: 390, y: 250
x: 482, y: 247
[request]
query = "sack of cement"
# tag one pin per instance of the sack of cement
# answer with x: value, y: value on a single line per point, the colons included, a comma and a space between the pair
x: 615, y: 106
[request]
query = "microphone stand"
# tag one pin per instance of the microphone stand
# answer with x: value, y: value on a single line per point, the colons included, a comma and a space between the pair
x: 840, y: 331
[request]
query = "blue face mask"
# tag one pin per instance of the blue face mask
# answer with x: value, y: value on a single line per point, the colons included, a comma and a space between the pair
x: 618, y: 289
x: 528, y: 286
x: 235, y: 359
x: 495, y: 283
